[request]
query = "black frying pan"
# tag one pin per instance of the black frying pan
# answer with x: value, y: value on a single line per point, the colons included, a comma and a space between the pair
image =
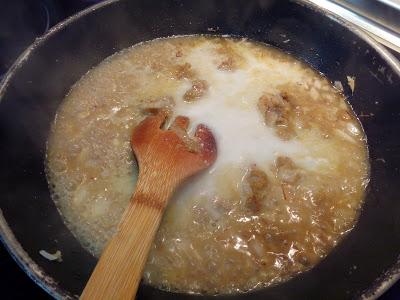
x: 364, y: 263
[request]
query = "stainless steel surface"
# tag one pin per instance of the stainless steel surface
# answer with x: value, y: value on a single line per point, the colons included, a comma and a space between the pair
x: 377, y: 18
x: 376, y: 11
x: 393, y: 3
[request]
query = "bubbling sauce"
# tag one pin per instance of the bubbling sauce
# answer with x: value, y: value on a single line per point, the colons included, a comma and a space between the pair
x: 287, y: 185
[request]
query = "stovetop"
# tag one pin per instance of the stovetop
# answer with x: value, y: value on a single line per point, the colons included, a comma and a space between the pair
x: 21, y: 21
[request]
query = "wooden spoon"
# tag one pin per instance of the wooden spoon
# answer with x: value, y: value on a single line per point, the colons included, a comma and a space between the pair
x: 164, y: 162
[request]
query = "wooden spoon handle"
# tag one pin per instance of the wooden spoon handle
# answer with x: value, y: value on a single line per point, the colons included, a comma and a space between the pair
x: 164, y: 162
x: 119, y: 270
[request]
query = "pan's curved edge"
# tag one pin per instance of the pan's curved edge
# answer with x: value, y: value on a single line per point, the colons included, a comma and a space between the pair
x: 393, y: 61
x: 42, y: 39
x: 7, y: 237
x: 392, y: 275
x: 27, y: 264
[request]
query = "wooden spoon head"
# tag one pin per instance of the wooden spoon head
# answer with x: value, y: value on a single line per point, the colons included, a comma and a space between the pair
x: 166, y: 153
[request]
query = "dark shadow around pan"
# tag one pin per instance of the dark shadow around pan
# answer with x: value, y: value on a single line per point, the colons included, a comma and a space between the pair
x: 365, y: 262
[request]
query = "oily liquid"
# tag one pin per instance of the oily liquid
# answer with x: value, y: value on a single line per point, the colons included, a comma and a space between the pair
x: 287, y: 185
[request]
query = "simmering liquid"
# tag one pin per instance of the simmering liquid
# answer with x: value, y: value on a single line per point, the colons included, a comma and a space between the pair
x: 287, y: 185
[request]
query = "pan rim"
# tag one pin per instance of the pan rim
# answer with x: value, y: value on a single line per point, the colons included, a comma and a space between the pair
x: 36, y: 273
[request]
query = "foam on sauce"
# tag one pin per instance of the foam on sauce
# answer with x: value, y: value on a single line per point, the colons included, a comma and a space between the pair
x: 281, y: 194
